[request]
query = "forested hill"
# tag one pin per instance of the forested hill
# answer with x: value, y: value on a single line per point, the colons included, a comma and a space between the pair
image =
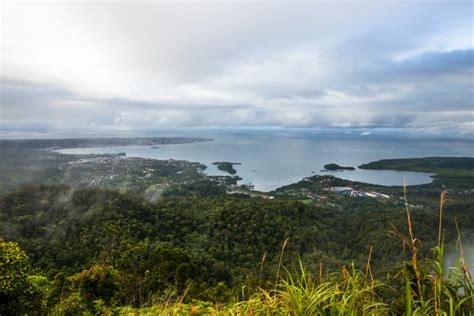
x: 217, y: 243
x: 446, y: 166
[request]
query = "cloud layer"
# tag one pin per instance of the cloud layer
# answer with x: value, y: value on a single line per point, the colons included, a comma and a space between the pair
x: 130, y: 65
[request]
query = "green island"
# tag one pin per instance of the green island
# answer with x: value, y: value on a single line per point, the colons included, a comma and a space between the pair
x: 226, y: 166
x: 113, y: 235
x: 334, y: 166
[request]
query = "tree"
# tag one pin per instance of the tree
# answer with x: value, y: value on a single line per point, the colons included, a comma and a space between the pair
x: 13, y: 277
x: 98, y: 282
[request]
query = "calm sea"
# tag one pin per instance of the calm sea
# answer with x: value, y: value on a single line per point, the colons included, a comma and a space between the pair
x: 271, y: 160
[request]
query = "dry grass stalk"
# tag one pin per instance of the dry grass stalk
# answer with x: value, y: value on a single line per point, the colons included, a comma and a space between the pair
x: 413, y: 246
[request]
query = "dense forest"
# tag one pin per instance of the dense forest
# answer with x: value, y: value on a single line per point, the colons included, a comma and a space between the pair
x: 95, y: 245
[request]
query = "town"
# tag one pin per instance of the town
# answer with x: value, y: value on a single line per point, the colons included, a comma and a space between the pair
x: 348, y: 191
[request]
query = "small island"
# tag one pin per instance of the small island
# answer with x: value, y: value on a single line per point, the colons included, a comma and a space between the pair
x: 226, y: 166
x: 335, y: 166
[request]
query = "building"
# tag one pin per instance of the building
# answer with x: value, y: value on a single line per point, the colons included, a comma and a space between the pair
x: 342, y: 190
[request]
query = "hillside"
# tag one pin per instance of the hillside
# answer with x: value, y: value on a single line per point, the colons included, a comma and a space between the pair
x: 441, y: 166
x: 205, y: 247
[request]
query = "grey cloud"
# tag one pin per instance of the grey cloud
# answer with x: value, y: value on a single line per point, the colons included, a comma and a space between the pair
x: 147, y: 65
x: 18, y: 93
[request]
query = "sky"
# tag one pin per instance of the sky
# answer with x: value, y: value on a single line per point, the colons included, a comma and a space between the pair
x: 123, y: 65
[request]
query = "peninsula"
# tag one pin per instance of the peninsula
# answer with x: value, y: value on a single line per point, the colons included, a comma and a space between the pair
x: 97, y: 142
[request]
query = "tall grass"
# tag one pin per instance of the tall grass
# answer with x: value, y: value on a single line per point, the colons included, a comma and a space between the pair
x: 349, y: 292
x: 421, y: 287
x: 430, y: 287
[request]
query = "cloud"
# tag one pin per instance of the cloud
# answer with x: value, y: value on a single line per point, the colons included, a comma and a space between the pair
x: 459, y: 61
x: 114, y: 65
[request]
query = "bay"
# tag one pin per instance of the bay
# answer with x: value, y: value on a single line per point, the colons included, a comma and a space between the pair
x: 269, y: 161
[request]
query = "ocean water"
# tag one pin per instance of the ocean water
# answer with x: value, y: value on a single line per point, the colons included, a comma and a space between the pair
x: 269, y: 161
